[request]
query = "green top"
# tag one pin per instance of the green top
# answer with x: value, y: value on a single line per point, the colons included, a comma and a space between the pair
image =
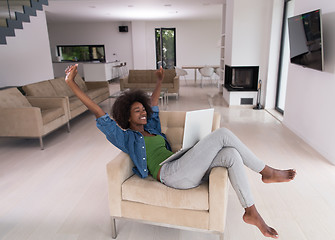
x: 156, y: 153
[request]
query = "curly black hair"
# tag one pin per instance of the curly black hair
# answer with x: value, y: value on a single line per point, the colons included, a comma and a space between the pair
x: 122, y: 105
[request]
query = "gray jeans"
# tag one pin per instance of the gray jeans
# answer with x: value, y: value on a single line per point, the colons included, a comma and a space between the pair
x: 221, y: 148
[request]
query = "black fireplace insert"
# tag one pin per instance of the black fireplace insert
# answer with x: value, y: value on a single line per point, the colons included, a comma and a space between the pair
x: 241, y: 78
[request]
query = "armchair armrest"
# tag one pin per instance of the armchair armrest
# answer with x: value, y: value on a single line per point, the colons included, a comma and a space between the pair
x: 118, y: 170
x: 176, y: 83
x: 218, y: 198
x: 21, y: 122
x: 94, y: 85
x: 216, y: 121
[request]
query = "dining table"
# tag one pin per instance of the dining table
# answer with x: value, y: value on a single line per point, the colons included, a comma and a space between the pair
x: 196, y: 68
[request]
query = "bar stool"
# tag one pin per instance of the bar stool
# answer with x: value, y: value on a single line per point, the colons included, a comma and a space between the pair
x: 124, y: 69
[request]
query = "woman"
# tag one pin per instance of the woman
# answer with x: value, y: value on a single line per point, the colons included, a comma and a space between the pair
x: 136, y: 130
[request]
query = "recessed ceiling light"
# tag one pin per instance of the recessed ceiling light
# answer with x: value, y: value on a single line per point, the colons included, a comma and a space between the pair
x: 130, y: 6
x: 167, y: 5
x: 92, y: 6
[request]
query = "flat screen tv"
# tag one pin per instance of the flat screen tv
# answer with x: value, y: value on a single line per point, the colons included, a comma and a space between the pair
x: 305, y: 37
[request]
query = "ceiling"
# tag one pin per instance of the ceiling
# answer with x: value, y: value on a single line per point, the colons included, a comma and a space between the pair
x: 132, y: 10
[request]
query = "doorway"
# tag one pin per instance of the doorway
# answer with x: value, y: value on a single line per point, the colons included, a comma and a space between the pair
x: 165, y: 39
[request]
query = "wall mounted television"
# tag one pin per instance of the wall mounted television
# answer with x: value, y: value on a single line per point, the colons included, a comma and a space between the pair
x: 306, y: 41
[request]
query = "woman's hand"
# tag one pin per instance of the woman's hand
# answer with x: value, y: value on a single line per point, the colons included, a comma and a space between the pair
x: 160, y: 74
x: 157, y: 91
x: 71, y: 72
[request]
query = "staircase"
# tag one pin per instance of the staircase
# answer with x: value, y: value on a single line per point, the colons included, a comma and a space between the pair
x: 14, y: 12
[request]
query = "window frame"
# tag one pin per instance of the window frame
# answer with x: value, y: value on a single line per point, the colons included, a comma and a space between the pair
x: 90, y: 50
x: 158, y: 48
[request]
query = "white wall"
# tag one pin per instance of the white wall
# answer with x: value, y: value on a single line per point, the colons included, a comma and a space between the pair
x: 26, y: 57
x: 139, y: 44
x: 197, y: 43
x: 309, y: 108
x: 248, y: 35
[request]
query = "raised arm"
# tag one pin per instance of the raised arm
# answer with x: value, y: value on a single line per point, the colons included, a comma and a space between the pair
x: 157, y: 91
x: 71, y: 73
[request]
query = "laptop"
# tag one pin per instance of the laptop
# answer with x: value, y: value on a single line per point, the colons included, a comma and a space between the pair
x: 198, y: 124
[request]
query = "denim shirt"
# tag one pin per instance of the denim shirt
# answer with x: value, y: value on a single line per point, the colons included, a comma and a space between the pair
x: 130, y: 141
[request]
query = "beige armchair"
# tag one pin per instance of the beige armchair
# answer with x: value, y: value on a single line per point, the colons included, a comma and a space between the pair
x: 149, y: 201
x: 31, y: 117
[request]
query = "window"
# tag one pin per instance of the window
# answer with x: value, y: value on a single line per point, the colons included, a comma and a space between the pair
x: 82, y: 53
x: 165, y: 47
x: 284, y: 59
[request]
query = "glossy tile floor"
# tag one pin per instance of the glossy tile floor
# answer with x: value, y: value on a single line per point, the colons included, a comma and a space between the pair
x: 60, y: 193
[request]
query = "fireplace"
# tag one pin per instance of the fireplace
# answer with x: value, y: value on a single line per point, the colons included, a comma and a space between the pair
x: 241, y: 78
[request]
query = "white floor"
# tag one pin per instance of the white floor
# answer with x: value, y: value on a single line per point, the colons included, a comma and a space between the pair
x: 60, y: 193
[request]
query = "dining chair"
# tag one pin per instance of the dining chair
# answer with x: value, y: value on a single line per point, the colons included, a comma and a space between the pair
x: 217, y: 73
x: 206, y: 72
x: 181, y: 73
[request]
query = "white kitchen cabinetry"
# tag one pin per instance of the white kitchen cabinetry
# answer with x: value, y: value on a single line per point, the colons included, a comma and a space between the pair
x: 100, y: 71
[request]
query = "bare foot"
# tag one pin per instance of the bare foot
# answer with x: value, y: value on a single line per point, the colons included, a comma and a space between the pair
x: 251, y: 216
x: 271, y: 175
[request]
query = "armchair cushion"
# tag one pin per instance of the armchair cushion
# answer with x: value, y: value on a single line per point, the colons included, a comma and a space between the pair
x: 150, y: 191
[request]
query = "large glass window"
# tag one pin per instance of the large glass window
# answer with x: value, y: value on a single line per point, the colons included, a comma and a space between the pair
x: 284, y: 58
x: 82, y: 53
x: 165, y: 47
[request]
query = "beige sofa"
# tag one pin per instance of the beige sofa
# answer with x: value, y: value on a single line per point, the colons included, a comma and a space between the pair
x: 97, y: 91
x: 31, y: 117
x: 146, y: 79
x: 147, y: 200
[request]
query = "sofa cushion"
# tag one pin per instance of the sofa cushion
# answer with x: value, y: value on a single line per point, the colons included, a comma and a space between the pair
x: 40, y: 89
x: 74, y: 102
x: 51, y: 114
x: 169, y: 75
x: 94, y: 93
x: 61, y: 88
x: 80, y: 82
x: 13, y: 98
x: 140, y: 76
x: 150, y: 191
